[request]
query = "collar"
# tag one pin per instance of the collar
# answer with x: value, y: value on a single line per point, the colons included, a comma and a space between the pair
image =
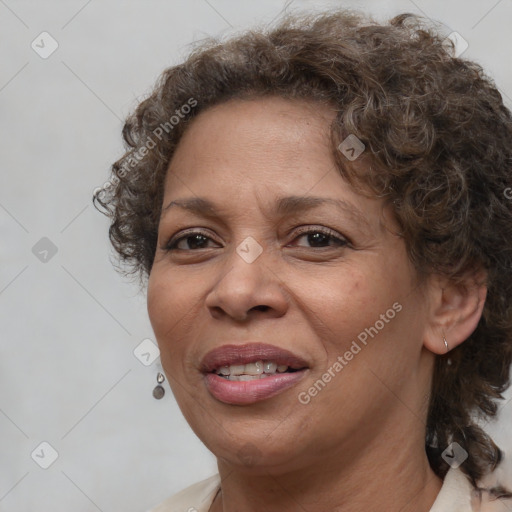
x: 455, y: 494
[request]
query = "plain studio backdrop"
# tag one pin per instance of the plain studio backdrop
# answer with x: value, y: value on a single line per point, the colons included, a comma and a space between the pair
x: 79, y: 427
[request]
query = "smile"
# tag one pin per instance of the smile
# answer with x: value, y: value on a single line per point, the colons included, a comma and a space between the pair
x: 246, y: 374
x: 250, y: 371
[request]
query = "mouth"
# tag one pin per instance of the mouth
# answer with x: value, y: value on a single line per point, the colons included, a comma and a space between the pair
x: 245, y: 374
x: 253, y: 371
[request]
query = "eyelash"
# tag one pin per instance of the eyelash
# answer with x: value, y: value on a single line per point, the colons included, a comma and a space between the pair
x: 341, y: 241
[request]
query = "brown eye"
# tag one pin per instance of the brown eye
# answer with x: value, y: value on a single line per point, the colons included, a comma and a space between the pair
x: 321, y: 237
x: 194, y: 240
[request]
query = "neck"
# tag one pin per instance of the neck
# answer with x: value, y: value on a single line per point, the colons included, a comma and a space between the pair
x: 382, y: 476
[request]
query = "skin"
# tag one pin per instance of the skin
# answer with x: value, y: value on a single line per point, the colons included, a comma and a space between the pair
x: 358, y: 445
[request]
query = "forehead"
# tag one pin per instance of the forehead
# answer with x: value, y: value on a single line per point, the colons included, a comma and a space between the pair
x: 268, y: 128
x: 255, y: 152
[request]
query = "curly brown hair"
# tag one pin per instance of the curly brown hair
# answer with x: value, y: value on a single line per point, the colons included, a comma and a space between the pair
x: 438, y: 148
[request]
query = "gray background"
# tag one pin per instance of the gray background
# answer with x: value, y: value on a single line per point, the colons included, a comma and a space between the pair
x: 70, y: 324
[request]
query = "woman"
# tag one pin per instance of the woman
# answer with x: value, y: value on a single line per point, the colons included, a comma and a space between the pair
x: 318, y: 213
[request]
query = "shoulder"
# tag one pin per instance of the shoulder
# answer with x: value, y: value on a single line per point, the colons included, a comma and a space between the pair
x: 455, y: 495
x: 196, y: 498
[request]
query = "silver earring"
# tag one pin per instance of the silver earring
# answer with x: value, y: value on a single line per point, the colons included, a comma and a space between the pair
x: 159, y: 391
x: 448, y: 361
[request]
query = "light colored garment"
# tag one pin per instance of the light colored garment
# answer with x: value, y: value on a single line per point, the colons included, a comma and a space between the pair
x: 196, y: 498
x: 455, y: 496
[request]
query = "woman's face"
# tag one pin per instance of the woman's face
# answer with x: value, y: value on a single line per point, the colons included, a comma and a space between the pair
x: 330, y: 284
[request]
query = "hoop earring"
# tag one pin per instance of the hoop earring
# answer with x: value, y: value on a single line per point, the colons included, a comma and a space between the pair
x: 159, y: 391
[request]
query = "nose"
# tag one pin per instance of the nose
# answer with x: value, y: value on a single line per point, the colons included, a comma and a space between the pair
x: 244, y: 290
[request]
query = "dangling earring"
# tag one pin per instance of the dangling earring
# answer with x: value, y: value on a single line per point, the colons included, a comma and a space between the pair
x: 159, y: 391
x: 448, y: 361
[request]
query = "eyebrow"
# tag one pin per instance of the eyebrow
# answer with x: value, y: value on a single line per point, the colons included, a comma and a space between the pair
x: 285, y: 206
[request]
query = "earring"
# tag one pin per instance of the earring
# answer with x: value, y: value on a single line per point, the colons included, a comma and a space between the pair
x: 159, y: 391
x: 448, y: 361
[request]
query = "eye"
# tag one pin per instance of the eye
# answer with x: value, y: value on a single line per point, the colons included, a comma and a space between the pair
x: 194, y: 239
x: 319, y: 236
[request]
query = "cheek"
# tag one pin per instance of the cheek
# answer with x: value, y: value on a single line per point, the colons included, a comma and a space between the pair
x: 169, y: 299
x: 173, y: 305
x: 351, y: 301
x: 362, y: 305
x: 156, y: 300
x: 166, y: 310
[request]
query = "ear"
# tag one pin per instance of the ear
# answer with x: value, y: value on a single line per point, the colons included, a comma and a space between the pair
x: 454, y: 310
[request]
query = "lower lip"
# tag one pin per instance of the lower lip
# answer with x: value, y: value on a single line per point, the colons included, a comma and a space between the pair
x: 250, y: 391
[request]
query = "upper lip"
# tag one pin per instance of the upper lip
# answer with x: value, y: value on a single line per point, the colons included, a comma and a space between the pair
x: 227, y: 355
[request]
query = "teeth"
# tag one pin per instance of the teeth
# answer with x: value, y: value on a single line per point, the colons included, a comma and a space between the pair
x: 237, y: 369
x: 254, y: 368
x: 269, y: 367
x: 245, y: 377
x: 258, y: 369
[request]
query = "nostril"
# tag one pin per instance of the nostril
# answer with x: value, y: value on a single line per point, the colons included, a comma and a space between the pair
x: 261, y: 308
